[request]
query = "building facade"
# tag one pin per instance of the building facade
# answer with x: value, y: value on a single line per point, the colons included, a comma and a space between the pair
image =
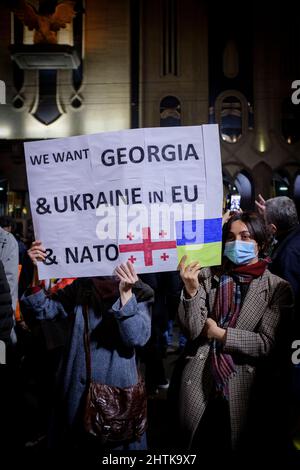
x: 145, y: 63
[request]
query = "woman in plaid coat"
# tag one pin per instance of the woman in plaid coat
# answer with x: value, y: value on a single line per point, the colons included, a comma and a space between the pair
x: 235, y: 318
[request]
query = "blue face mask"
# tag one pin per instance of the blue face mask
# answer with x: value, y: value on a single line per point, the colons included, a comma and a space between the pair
x: 240, y: 252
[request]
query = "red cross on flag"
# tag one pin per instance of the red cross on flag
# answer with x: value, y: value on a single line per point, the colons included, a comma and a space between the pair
x: 143, y: 252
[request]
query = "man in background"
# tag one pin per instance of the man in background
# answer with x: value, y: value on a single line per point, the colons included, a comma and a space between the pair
x: 9, y: 255
x: 282, y: 221
x: 281, y: 217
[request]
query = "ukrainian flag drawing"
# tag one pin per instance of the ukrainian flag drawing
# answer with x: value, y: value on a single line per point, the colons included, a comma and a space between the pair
x: 200, y: 240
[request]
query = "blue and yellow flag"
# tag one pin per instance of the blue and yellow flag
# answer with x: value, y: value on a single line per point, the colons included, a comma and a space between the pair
x: 200, y: 240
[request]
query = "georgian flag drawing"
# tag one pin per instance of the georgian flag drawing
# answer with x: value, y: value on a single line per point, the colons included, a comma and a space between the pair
x: 144, y: 251
x: 200, y: 240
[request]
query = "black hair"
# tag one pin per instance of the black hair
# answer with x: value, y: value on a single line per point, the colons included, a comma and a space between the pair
x: 6, y: 221
x: 256, y: 226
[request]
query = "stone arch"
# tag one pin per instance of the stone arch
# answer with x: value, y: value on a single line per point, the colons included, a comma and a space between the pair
x: 281, y: 183
x: 170, y: 111
x: 296, y: 191
x: 228, y: 184
x: 244, y: 184
x: 231, y: 105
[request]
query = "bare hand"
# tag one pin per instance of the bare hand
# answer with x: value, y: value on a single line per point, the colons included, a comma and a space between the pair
x: 212, y: 331
x: 260, y: 204
x: 37, y: 252
x: 128, y: 278
x: 189, y: 275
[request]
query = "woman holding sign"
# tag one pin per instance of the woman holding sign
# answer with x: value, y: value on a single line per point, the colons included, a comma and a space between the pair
x: 108, y: 320
x: 227, y: 380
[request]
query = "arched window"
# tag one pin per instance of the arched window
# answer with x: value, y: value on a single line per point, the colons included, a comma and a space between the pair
x: 170, y: 112
x: 231, y: 123
x: 290, y: 122
x: 244, y: 187
x: 229, y: 189
x: 234, y: 115
x: 297, y: 192
x: 280, y: 184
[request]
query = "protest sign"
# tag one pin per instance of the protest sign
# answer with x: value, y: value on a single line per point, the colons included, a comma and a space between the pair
x: 144, y: 195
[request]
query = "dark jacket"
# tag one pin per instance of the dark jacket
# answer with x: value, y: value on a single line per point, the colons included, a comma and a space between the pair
x: 115, y: 331
x: 9, y: 255
x: 286, y: 264
x: 6, y: 312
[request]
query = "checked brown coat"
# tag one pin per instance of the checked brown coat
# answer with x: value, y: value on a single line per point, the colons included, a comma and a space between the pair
x: 268, y: 300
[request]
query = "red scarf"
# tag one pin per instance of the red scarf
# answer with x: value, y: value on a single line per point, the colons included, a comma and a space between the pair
x: 226, y: 310
x: 254, y: 270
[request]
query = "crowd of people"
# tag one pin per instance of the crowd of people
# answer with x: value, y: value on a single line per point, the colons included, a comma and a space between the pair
x: 233, y: 386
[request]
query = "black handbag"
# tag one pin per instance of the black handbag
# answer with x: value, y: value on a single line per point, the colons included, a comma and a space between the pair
x: 112, y: 414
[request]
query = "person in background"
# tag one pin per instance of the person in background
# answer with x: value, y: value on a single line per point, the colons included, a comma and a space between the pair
x: 9, y: 255
x: 226, y: 387
x: 167, y: 287
x: 6, y: 311
x: 7, y: 410
x: 282, y: 221
x: 9, y: 226
x: 40, y: 346
x: 281, y: 217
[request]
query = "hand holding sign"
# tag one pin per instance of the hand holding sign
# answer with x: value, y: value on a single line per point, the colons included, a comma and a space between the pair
x: 189, y: 275
x: 37, y: 252
x: 128, y: 277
